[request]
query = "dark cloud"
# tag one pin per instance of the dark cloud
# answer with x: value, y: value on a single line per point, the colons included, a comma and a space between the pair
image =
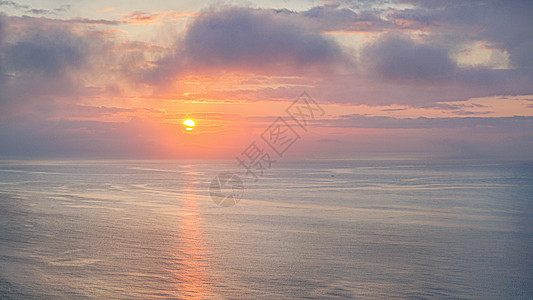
x: 13, y: 4
x: 1, y: 27
x: 37, y: 138
x: 1, y: 50
x: 335, y: 18
x: 371, y: 89
x: 49, y: 52
x: 406, y: 71
x: 3, y: 75
x: 394, y: 109
x: 473, y: 113
x: 508, y: 124
x: 62, y: 8
x: 359, y: 4
x: 250, y: 39
x: 91, y: 21
x: 49, y: 69
x: 32, y: 22
x: 507, y: 24
x: 446, y: 106
x: 35, y: 11
x: 42, y: 63
x: 400, y: 69
x: 397, y: 57
x: 254, y: 37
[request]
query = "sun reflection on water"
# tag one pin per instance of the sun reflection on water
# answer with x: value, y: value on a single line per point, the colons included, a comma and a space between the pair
x: 192, y: 275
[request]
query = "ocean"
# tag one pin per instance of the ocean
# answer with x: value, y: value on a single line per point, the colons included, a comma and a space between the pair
x: 317, y: 229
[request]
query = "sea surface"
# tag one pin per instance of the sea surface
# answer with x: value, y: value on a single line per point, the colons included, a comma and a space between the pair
x: 330, y: 229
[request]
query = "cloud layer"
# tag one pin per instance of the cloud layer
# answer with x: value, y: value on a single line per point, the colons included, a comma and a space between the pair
x: 412, y: 68
x: 250, y: 40
x: 394, y: 57
x: 80, y: 85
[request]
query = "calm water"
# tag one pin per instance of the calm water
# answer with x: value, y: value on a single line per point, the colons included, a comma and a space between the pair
x: 315, y: 230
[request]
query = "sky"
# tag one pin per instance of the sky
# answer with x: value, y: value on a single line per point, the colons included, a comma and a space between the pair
x: 394, y: 78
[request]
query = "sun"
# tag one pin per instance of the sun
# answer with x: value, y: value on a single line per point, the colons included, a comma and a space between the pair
x: 189, y: 124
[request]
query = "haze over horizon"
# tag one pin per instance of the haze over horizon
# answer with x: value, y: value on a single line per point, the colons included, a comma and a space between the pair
x: 395, y: 78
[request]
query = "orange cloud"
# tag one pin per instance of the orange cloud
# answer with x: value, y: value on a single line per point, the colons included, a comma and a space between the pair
x: 158, y: 17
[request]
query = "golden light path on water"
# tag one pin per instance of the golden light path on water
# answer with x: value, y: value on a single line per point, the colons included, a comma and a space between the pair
x: 193, y: 276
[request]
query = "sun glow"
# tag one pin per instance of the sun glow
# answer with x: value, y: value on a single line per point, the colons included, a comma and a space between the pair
x: 189, y: 124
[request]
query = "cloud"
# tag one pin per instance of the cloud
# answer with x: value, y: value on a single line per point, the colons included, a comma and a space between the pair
x: 143, y: 17
x: 52, y: 68
x: 519, y: 124
x: 47, y: 62
x: 240, y: 38
x: 48, y: 52
x: 13, y: 4
x: 506, y: 24
x: 255, y: 37
x: 36, y: 11
x: 79, y: 20
x: 38, y: 67
x: 463, y: 137
x: 32, y: 22
x: 396, y: 68
x: 42, y: 62
x: 1, y: 27
x: 2, y: 75
x: 30, y: 137
x: 396, y: 57
x: 446, y: 106
x: 334, y: 18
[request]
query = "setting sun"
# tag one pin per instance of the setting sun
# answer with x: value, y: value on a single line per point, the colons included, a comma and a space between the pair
x: 189, y: 124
